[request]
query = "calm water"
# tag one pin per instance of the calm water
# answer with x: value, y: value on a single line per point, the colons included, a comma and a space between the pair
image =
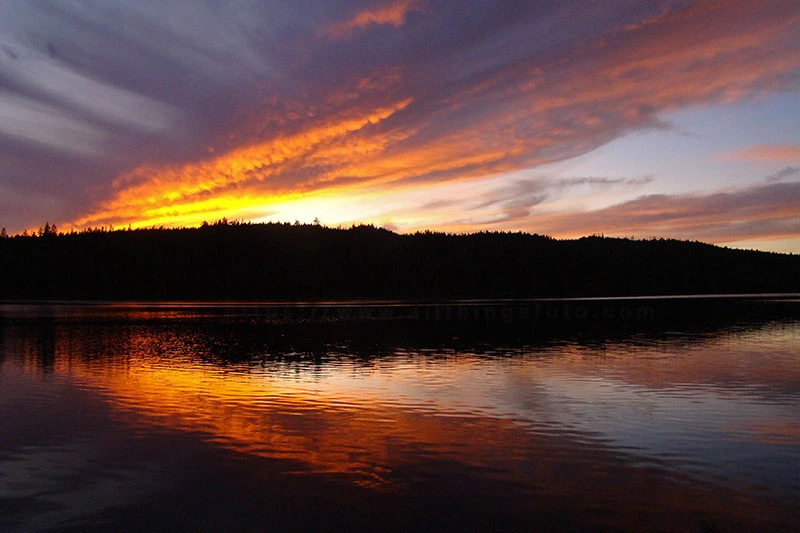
x: 476, y: 417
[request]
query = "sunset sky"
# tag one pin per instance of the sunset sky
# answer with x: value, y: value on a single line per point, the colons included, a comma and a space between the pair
x: 630, y: 118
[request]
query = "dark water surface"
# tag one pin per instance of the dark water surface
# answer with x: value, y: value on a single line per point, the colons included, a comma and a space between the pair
x: 601, y: 415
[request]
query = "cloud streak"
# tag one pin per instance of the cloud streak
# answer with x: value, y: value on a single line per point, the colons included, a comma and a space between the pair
x: 786, y: 173
x: 392, y: 13
x: 767, y: 152
x: 52, y: 81
x: 35, y: 122
x: 768, y: 211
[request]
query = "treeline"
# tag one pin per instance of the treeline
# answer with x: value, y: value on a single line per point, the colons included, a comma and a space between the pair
x: 273, y: 262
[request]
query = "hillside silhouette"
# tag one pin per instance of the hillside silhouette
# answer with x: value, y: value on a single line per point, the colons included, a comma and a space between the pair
x: 282, y: 262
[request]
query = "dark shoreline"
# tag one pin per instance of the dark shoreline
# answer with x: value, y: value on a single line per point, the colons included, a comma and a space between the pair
x: 307, y: 263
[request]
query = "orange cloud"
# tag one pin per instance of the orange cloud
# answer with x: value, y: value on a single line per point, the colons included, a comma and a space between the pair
x: 394, y: 14
x: 770, y: 211
x: 766, y: 152
x: 149, y: 195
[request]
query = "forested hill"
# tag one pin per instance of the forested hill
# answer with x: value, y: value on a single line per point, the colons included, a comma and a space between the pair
x: 272, y: 262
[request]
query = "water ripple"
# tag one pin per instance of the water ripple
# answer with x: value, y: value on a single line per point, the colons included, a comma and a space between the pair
x: 704, y: 411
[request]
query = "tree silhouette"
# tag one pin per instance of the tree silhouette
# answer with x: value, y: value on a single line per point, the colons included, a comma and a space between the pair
x: 230, y: 260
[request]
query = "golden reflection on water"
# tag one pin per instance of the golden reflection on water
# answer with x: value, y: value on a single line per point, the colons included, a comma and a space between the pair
x: 328, y: 425
x: 551, y: 422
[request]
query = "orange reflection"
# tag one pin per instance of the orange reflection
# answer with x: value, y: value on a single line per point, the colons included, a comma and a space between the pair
x: 330, y: 430
x: 326, y: 425
x: 369, y: 429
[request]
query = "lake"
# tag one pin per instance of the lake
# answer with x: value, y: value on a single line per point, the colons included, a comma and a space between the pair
x: 673, y: 414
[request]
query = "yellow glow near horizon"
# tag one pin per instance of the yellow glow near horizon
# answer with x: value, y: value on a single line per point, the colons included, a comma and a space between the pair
x: 151, y: 196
